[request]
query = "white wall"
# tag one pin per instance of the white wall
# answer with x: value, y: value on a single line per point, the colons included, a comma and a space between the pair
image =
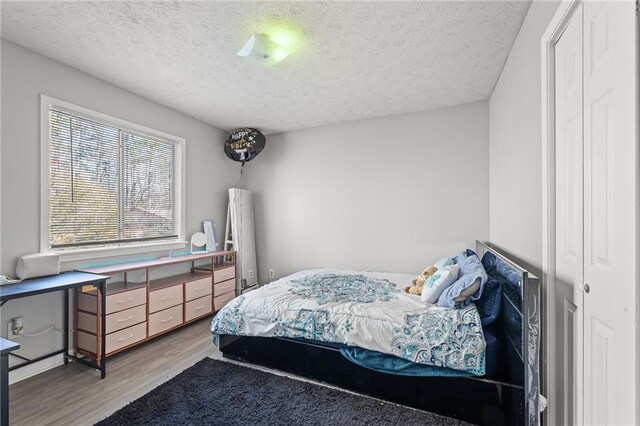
x: 389, y: 194
x: 25, y: 75
x: 516, y: 146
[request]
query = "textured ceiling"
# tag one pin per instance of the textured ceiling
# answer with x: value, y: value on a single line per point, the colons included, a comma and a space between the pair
x: 355, y: 60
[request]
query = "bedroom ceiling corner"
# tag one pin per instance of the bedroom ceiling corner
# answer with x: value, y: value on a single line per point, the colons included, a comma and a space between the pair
x: 346, y: 60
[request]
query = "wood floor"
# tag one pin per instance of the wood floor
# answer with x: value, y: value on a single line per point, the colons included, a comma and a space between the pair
x: 73, y: 394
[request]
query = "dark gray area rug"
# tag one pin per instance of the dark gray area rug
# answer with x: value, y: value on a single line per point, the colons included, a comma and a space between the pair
x: 220, y: 393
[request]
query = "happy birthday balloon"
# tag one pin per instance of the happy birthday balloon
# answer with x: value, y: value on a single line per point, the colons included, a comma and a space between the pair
x: 244, y: 144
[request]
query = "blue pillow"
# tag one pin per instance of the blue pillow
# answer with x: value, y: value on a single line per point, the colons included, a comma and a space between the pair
x: 489, y: 261
x: 460, y: 257
x: 471, y: 269
x: 489, y: 303
x: 511, y: 281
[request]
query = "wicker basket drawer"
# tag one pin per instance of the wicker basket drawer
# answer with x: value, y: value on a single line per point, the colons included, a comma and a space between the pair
x: 224, y: 274
x: 116, y: 321
x: 220, y: 301
x: 117, y: 340
x: 126, y: 299
x: 224, y: 287
x: 165, y: 320
x: 123, y: 319
x: 126, y: 337
x: 115, y: 302
x: 198, y: 307
x: 88, y: 302
x: 87, y: 322
x: 165, y: 298
x: 87, y: 342
x: 198, y: 288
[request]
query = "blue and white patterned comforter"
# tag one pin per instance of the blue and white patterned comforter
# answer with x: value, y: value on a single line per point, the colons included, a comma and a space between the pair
x: 364, y: 309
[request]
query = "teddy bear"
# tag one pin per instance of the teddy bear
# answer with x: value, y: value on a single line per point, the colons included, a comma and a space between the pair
x: 418, y: 282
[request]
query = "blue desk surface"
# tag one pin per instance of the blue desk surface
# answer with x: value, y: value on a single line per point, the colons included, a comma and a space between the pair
x: 49, y: 284
x: 7, y: 346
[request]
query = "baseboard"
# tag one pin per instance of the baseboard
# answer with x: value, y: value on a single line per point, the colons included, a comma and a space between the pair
x: 36, y: 368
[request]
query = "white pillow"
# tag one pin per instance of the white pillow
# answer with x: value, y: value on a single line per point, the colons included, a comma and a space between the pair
x: 438, y: 282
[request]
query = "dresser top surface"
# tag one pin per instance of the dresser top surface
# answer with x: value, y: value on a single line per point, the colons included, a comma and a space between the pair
x: 152, y: 263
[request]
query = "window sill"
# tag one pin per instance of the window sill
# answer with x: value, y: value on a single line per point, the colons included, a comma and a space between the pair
x: 103, y: 252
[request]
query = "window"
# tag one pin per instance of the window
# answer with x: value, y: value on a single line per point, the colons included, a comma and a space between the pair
x: 109, y: 183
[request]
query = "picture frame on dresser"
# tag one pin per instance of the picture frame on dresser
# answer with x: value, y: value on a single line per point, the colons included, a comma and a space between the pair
x: 142, y: 301
x: 210, y: 230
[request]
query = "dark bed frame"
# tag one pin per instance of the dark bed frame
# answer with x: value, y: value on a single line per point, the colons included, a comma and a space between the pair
x: 510, y: 397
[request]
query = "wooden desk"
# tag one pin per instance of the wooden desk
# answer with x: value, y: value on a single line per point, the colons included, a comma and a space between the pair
x: 63, y: 282
x: 6, y: 346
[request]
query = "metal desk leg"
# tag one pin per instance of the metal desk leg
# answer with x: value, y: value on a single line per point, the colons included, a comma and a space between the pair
x: 4, y: 390
x: 103, y: 329
x: 65, y: 326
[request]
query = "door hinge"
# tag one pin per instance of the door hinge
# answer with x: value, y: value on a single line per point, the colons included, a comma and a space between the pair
x: 637, y: 7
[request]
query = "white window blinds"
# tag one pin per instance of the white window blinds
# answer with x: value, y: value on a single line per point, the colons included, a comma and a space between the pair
x: 108, y: 185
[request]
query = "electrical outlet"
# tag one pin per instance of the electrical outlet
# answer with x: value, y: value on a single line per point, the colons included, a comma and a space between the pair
x: 10, y: 334
x: 14, y: 328
x: 272, y: 273
x: 251, y: 275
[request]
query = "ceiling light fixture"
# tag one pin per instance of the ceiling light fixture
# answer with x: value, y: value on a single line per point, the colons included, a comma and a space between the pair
x: 262, y: 49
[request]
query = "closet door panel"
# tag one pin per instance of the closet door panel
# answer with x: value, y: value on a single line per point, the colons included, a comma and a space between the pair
x: 610, y: 157
x: 569, y: 224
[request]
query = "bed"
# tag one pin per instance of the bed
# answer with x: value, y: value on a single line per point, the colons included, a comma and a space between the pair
x: 362, y: 332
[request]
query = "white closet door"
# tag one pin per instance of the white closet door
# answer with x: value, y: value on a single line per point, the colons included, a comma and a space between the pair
x: 569, y: 224
x: 610, y: 150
